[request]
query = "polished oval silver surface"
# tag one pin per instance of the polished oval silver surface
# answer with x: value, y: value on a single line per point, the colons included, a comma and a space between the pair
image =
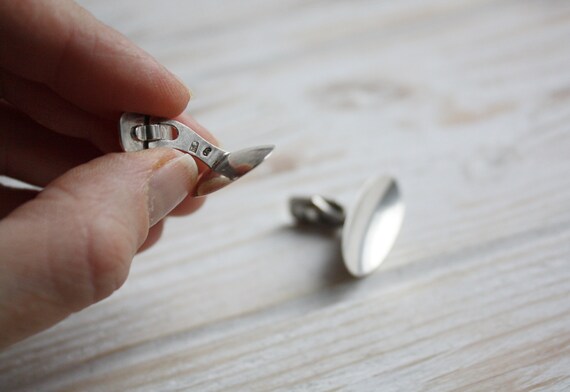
x: 372, y: 226
x: 230, y: 168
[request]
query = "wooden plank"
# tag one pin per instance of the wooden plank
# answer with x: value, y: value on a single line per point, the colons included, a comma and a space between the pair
x: 467, y: 103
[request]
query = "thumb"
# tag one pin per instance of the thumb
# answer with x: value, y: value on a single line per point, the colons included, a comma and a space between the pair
x: 73, y: 244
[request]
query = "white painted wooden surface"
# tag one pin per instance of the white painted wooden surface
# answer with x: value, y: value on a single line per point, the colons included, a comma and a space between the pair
x: 467, y: 103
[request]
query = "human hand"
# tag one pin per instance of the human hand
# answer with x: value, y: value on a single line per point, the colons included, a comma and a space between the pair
x: 65, y: 78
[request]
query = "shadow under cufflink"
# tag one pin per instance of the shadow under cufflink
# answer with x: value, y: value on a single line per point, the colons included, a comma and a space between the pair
x: 322, y: 217
x: 328, y: 240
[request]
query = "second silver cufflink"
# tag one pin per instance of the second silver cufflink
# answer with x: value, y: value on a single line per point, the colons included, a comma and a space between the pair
x: 369, y: 228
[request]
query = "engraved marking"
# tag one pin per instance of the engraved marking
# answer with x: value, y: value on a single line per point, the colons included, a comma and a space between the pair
x: 207, y: 151
x: 194, y: 147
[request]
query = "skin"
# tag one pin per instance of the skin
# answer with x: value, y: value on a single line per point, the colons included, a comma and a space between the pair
x: 65, y: 78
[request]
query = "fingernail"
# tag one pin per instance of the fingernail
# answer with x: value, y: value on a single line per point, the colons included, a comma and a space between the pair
x: 188, y: 89
x: 169, y: 185
x: 212, y: 185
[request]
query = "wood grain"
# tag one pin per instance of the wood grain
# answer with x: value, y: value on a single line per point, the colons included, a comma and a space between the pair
x: 467, y: 103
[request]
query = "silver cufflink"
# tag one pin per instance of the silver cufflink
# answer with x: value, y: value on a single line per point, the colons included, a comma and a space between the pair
x: 141, y: 132
x: 369, y: 228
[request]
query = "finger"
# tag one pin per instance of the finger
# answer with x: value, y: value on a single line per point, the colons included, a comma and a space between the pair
x: 198, y: 128
x: 154, y: 234
x: 85, y: 61
x: 53, y: 112
x: 86, y: 226
x: 188, y: 206
x: 35, y: 155
x: 11, y: 198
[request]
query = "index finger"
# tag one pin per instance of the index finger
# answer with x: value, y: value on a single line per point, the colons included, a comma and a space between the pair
x: 61, y: 45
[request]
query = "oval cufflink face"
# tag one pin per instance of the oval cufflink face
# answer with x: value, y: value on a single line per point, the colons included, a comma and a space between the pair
x: 230, y: 168
x: 372, y: 226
